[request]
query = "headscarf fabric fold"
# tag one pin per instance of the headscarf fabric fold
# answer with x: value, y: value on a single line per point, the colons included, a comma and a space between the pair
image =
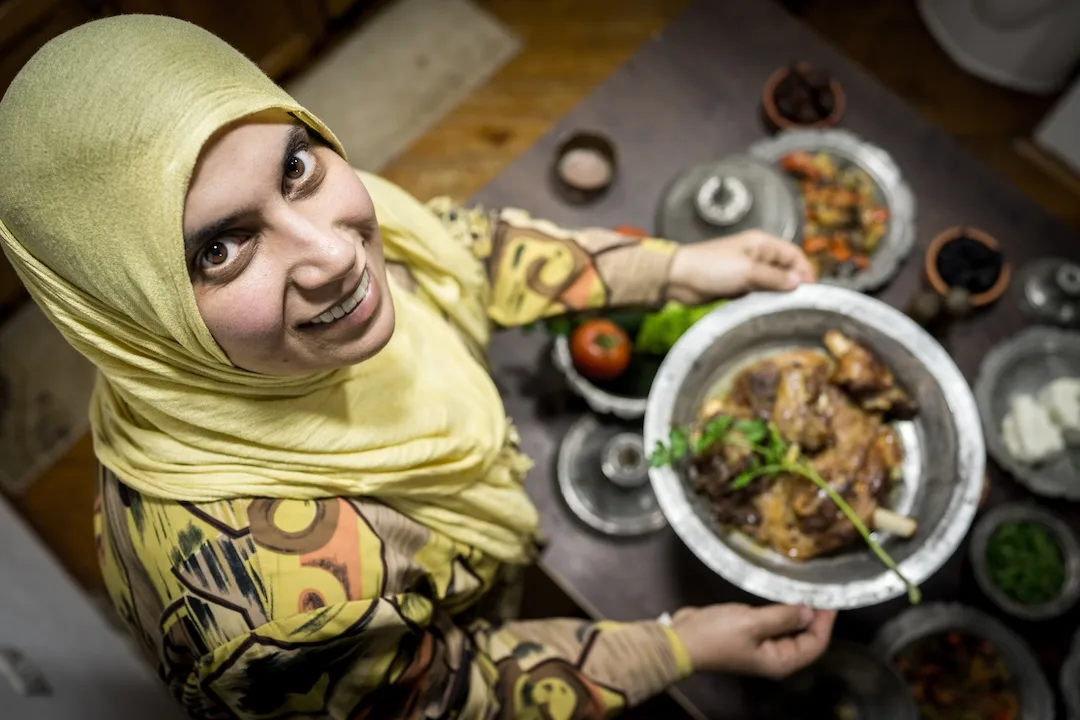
x: 101, y: 131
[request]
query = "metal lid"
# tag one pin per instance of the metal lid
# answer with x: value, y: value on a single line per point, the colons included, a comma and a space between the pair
x: 604, y: 477
x: 725, y: 197
x: 1049, y: 290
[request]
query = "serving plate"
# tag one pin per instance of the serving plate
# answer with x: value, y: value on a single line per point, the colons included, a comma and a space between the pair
x: 943, y: 446
x: 1036, y: 697
x: 893, y: 192
x: 1023, y: 364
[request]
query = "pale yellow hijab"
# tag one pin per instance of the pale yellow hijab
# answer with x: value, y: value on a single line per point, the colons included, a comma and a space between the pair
x: 100, y: 133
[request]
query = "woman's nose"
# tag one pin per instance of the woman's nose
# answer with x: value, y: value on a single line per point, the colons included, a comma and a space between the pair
x: 321, y: 253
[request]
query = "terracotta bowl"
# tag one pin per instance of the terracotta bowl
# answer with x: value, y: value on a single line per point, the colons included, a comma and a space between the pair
x: 778, y: 122
x: 936, y: 282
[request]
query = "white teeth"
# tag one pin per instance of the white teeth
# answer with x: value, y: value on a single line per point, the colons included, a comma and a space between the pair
x: 339, y: 311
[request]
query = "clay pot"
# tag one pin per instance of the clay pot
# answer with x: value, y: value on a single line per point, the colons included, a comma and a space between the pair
x: 778, y: 121
x: 935, y: 279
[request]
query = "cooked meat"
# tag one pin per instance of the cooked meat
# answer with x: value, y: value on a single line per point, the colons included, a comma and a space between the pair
x: 835, y: 413
x: 756, y: 388
x: 866, y: 378
x: 803, y: 376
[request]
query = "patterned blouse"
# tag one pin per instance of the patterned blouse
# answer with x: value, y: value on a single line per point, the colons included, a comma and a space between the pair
x: 342, y: 608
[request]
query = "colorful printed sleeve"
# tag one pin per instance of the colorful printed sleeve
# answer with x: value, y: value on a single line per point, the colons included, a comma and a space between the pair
x: 539, y: 270
x: 345, y: 609
x: 400, y: 658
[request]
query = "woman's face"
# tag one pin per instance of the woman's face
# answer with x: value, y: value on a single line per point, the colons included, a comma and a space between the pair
x: 284, y: 251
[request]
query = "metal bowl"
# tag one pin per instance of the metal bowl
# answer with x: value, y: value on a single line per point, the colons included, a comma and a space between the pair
x: 1069, y: 679
x: 1036, y: 698
x: 893, y: 192
x: 1023, y: 364
x: 1070, y: 550
x: 943, y: 446
x: 599, y: 400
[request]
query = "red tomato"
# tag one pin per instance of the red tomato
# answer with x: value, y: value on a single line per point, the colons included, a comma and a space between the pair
x: 600, y: 349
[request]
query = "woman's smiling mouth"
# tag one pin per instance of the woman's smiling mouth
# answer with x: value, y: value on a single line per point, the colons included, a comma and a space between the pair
x: 347, y: 306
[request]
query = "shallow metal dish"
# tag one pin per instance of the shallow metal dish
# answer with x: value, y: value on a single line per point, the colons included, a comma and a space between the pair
x: 943, y: 446
x: 1070, y: 551
x: 1023, y: 364
x: 894, y: 193
x: 1036, y: 698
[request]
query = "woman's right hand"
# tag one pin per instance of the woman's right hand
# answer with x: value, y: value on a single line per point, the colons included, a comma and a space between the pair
x: 771, y: 641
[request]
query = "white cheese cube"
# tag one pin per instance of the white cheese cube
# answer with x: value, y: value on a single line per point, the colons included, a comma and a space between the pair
x: 1061, y: 398
x: 1029, y: 433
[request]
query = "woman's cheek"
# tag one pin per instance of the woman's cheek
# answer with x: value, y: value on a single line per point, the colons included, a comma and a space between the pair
x: 246, y: 321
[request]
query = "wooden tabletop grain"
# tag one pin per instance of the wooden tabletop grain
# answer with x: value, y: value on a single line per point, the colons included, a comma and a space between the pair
x: 692, y: 94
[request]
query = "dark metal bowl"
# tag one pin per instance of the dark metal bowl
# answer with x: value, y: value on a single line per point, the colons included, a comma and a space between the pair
x: 1036, y: 698
x: 1070, y: 550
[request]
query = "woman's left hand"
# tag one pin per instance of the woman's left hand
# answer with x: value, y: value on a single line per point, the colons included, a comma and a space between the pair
x: 737, y: 264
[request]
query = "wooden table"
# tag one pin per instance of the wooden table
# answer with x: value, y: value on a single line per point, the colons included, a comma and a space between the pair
x: 693, y: 94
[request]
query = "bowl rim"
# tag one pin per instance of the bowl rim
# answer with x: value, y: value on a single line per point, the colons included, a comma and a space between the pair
x: 948, y: 235
x: 712, y: 551
x: 1067, y: 541
x: 777, y: 119
x: 1070, y: 670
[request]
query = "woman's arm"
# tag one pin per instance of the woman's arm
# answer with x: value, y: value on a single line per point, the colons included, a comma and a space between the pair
x: 539, y: 270
x: 402, y: 657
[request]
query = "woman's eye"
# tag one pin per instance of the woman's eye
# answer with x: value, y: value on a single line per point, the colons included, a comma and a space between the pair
x: 299, y: 165
x: 218, y: 252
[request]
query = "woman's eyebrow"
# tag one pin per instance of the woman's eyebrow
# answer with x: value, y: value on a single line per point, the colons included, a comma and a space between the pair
x: 295, y: 141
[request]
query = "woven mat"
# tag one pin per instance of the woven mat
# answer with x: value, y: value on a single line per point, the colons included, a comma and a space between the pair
x: 392, y: 80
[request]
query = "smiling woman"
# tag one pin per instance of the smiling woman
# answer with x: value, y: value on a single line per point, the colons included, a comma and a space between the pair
x: 310, y: 494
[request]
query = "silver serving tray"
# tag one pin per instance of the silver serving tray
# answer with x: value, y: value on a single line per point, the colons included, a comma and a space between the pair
x: 944, y: 452
x: 1023, y: 364
x: 894, y: 193
x: 1036, y: 698
x: 1070, y: 551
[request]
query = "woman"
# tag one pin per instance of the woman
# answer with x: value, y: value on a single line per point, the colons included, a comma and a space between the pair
x: 310, y: 494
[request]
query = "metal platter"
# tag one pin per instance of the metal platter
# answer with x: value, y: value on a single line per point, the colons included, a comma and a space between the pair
x: 603, y: 476
x: 1023, y: 364
x: 725, y: 197
x: 943, y: 446
x: 895, y: 194
x: 1070, y: 550
x: 870, y: 686
x: 1036, y: 698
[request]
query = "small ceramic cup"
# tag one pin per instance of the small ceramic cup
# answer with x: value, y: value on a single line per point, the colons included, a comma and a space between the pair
x: 935, y: 279
x: 584, y: 166
x: 777, y: 121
